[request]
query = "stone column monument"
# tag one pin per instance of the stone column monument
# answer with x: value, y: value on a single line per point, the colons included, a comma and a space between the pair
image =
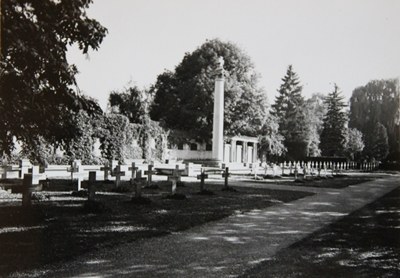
x: 218, y: 119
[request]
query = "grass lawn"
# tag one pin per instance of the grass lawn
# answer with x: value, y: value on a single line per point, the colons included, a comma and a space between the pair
x: 364, y: 244
x: 58, y: 228
x: 339, y: 181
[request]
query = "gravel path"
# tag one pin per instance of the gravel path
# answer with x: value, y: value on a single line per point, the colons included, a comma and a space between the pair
x: 228, y: 247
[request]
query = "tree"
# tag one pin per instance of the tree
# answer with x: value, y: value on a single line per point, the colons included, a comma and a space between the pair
x: 131, y: 102
x: 376, y: 143
x: 354, y: 143
x: 315, y: 109
x: 271, y: 141
x: 87, y: 129
x: 378, y: 101
x: 289, y: 111
x: 183, y: 99
x: 333, y: 136
x: 37, y: 87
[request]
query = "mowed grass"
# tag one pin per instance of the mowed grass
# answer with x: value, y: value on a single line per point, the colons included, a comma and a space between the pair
x: 58, y: 228
x: 365, y: 243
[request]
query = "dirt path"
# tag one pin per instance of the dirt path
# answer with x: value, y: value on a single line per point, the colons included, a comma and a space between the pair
x: 228, y: 247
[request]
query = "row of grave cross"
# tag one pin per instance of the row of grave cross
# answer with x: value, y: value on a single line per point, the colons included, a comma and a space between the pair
x: 203, y: 175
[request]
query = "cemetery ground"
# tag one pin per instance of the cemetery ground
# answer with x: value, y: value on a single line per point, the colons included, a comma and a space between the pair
x: 57, y: 228
x: 365, y: 243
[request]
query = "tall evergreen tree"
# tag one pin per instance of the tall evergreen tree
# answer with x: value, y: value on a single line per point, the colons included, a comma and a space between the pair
x: 289, y: 111
x: 333, y: 136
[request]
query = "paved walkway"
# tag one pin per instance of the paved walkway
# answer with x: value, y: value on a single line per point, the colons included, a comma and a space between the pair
x: 228, y: 247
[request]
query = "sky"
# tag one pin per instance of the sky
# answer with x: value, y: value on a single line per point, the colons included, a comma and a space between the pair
x: 347, y: 42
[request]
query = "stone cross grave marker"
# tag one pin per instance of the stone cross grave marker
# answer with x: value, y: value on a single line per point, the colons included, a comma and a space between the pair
x: 77, y: 172
x: 138, y: 181
x: 149, y: 174
x: 117, y: 173
x: 226, y: 175
x: 24, y: 165
x: 92, y: 185
x: 296, y: 171
x: 174, y: 179
x: 202, y: 177
x: 133, y: 170
x: 106, y: 170
x: 3, y: 171
x: 30, y: 181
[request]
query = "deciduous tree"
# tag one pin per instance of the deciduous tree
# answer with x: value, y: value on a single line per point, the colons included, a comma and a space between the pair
x: 184, y: 98
x: 37, y: 88
x: 354, y: 143
x: 131, y: 102
x: 378, y: 101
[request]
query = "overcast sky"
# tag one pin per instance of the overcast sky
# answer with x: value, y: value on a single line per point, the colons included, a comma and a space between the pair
x: 345, y: 41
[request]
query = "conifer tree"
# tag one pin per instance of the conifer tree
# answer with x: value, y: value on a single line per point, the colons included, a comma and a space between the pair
x: 288, y: 109
x: 333, y: 136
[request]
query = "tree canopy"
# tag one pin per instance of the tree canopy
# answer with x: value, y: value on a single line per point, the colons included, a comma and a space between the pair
x: 333, y: 136
x: 38, y: 90
x: 131, y: 102
x: 289, y: 111
x: 183, y: 99
x: 377, y: 102
x: 315, y: 109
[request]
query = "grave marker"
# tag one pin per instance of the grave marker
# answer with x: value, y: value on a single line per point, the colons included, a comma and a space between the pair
x: 133, y: 170
x: 226, y: 175
x: 296, y: 171
x: 91, y: 185
x: 106, y: 169
x: 30, y: 181
x: 77, y: 172
x: 117, y: 173
x: 138, y: 183
x: 3, y: 170
x: 174, y: 179
x: 24, y: 165
x: 149, y: 174
x: 202, y: 177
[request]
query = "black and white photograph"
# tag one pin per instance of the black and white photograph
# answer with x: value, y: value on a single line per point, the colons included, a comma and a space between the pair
x: 188, y: 138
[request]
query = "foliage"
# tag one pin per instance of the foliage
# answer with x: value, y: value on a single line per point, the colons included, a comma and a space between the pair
x: 183, y: 99
x: 378, y: 101
x: 315, y: 110
x: 354, y: 142
x: 37, y: 92
x: 41, y: 153
x: 376, y: 143
x: 80, y: 147
x: 271, y: 141
x: 289, y: 111
x: 153, y: 140
x: 121, y: 140
x: 333, y: 136
x: 117, y: 137
x: 131, y: 102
